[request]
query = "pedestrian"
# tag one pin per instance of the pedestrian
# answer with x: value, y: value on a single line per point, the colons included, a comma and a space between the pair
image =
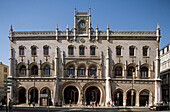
x: 33, y: 104
x: 70, y: 102
x: 10, y: 105
x: 146, y: 104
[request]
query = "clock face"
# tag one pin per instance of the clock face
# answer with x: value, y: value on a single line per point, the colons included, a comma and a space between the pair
x: 82, y: 25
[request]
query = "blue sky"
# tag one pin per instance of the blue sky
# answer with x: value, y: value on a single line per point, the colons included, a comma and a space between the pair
x: 43, y: 15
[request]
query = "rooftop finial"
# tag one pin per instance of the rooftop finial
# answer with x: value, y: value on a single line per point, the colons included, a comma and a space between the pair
x: 11, y: 29
x: 89, y: 10
x: 75, y: 11
x: 67, y: 26
x: 57, y: 27
x: 97, y: 26
x: 158, y: 27
x: 107, y: 26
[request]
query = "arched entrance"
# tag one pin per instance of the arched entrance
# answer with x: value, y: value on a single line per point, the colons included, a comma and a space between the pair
x: 129, y: 97
x: 46, y: 91
x: 21, y: 95
x: 71, y: 95
x: 92, y: 95
x: 118, y: 97
x: 33, y: 95
x: 144, y: 98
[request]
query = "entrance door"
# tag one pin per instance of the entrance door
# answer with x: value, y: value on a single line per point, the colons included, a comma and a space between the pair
x: 48, y: 92
x: 144, y: 98
x: 71, y: 95
x: 129, y: 98
x: 33, y: 96
x: 92, y: 95
x: 118, y: 98
x: 22, y: 98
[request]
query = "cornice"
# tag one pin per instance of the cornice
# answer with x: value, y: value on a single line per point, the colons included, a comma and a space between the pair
x: 113, y: 35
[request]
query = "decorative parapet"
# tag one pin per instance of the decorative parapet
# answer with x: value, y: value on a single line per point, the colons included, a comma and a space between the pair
x: 125, y: 33
x: 33, y: 33
x: 93, y: 33
x: 132, y: 33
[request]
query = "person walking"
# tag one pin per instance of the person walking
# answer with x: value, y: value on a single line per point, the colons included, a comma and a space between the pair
x: 10, y: 105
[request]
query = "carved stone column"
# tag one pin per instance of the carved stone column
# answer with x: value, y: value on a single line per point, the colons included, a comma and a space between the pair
x: 124, y: 100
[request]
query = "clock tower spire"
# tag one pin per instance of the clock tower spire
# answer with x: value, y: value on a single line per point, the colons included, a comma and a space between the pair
x: 82, y: 22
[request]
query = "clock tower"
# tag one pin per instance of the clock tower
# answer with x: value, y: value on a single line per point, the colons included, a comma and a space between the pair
x: 82, y: 22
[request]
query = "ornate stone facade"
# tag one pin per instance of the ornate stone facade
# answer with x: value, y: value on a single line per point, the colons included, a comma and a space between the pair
x: 83, y: 65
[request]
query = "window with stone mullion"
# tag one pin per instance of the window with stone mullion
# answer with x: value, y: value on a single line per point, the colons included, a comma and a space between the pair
x: 92, y: 71
x: 118, y: 71
x: 47, y: 70
x: 71, y: 70
x: 82, y: 71
x: 144, y: 72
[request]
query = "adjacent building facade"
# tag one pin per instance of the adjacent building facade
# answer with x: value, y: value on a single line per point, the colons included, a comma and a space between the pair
x: 84, y: 65
x: 165, y: 72
x: 3, y: 77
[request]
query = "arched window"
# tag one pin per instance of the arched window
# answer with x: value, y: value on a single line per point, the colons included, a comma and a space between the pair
x: 46, y: 50
x: 46, y: 70
x: 144, y: 72
x: 118, y: 51
x: 132, y: 50
x: 70, y: 50
x: 21, y: 50
x: 118, y: 71
x: 82, y: 71
x: 22, y: 70
x: 145, y: 51
x: 33, y: 50
x: 130, y: 71
x: 81, y: 50
x: 71, y: 70
x: 92, y: 71
x: 92, y: 50
x: 34, y: 70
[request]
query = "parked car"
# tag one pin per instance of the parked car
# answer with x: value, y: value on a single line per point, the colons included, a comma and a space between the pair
x: 159, y: 106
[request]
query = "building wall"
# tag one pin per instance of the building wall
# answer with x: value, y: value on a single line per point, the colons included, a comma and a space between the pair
x: 3, y: 76
x: 165, y: 72
x: 105, y: 60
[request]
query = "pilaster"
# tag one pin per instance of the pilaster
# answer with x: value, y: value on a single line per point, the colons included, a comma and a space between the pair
x: 157, y: 70
x: 108, y: 86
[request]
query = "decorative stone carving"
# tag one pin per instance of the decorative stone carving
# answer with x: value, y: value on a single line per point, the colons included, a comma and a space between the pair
x: 82, y: 40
